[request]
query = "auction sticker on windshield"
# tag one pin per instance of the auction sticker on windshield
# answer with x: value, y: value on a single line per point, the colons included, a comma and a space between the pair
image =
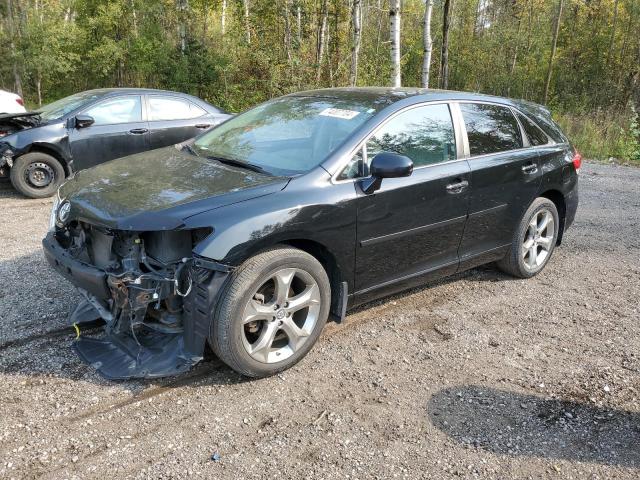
x: 339, y: 113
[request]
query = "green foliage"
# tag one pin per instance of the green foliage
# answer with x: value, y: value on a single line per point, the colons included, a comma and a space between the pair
x: 604, y: 134
x: 500, y: 47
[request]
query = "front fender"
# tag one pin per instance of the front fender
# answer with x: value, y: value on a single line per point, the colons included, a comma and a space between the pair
x: 320, y: 212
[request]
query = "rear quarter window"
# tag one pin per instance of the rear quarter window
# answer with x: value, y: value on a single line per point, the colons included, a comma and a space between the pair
x: 490, y: 128
x: 535, y: 135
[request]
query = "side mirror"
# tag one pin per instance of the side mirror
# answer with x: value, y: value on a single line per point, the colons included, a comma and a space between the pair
x: 386, y: 165
x: 84, y: 121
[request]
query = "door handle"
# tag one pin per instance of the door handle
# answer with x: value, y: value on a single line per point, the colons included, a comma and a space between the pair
x: 530, y: 168
x: 457, y: 187
x: 203, y: 125
x: 138, y: 131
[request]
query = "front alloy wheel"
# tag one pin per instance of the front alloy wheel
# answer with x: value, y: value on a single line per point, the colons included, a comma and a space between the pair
x: 271, y: 311
x: 281, y: 315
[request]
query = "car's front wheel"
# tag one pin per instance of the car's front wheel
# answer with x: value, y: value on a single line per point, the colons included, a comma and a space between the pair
x: 271, y: 312
x: 534, y: 240
x: 37, y: 175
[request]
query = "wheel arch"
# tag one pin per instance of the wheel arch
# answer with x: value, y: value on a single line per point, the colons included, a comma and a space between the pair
x: 53, y: 151
x: 557, y: 197
x: 330, y: 264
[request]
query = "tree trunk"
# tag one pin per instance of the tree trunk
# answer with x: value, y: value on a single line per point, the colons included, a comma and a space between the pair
x: 394, y: 20
x: 444, y: 58
x: 287, y: 29
x: 554, y: 44
x: 183, y: 5
x: 356, y: 19
x: 223, y: 17
x: 322, y: 34
x: 17, y: 79
x: 299, y: 24
x: 613, y: 32
x: 246, y: 21
x: 427, y: 42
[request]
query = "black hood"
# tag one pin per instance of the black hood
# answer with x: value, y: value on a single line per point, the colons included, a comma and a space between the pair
x: 158, y: 189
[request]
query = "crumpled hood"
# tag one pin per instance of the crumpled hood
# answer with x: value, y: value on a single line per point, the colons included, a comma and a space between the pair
x: 158, y: 189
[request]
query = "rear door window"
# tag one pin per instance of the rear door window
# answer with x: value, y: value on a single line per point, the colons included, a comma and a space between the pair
x: 172, y: 108
x: 535, y: 135
x: 490, y: 128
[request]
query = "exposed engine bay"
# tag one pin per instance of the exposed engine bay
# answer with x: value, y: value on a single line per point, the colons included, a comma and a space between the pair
x: 154, y: 295
x: 18, y: 121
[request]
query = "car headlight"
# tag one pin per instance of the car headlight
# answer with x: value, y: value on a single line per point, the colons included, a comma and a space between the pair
x: 54, y: 212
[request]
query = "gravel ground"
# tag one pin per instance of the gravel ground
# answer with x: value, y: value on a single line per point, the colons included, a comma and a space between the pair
x: 478, y: 376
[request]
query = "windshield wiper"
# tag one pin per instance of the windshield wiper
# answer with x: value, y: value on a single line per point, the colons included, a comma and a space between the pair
x: 240, y: 163
x: 190, y: 149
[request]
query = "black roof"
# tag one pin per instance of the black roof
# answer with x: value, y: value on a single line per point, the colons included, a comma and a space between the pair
x: 389, y: 95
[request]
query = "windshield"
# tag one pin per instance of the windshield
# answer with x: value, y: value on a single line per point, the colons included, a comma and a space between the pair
x: 60, y: 108
x: 286, y: 136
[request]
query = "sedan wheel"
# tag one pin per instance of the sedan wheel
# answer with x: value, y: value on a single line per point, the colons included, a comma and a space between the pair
x: 271, y: 311
x: 281, y: 315
x: 538, y: 240
x: 533, y: 241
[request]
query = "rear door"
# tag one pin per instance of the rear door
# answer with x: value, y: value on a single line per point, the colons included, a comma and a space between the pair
x: 410, y: 229
x: 173, y: 119
x: 505, y: 177
x: 118, y: 130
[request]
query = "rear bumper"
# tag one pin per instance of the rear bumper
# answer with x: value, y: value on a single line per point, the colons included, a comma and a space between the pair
x: 88, y: 277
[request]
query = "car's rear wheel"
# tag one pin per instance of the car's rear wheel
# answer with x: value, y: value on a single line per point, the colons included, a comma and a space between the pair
x: 534, y: 240
x: 37, y: 175
x: 271, y: 312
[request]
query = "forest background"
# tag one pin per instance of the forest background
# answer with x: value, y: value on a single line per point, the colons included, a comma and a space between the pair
x: 579, y: 57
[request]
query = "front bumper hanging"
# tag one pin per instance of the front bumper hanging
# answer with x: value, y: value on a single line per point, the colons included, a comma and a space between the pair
x: 139, y: 351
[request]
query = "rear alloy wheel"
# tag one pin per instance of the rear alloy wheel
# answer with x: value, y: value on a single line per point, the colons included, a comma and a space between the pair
x: 37, y: 175
x: 534, y: 240
x: 271, y: 312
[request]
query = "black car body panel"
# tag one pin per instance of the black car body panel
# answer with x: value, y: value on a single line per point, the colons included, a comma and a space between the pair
x: 80, y: 148
x: 160, y: 189
x: 441, y: 219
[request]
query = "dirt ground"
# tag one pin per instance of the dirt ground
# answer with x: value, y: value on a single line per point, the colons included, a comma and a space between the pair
x: 477, y: 376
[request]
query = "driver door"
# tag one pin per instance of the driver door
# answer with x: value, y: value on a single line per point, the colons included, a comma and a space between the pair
x: 410, y: 229
x: 118, y: 130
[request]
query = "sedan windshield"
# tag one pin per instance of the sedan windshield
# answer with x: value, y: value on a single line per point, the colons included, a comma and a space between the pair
x: 60, y: 108
x: 286, y: 136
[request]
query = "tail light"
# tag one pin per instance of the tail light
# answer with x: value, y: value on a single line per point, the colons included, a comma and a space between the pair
x: 20, y: 101
x: 577, y: 161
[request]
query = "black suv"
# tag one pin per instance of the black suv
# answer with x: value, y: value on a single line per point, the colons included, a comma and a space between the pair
x: 39, y: 149
x: 253, y: 235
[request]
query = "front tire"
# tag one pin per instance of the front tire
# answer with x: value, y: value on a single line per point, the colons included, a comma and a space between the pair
x: 533, y: 241
x: 271, y: 312
x: 37, y: 175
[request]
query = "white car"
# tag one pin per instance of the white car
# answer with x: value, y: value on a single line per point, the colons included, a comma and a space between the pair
x: 11, y: 103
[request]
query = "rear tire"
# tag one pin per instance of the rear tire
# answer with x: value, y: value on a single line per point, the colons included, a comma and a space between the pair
x: 533, y: 241
x: 37, y: 175
x: 272, y: 311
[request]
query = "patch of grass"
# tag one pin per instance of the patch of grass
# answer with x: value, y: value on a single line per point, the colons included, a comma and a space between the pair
x: 604, y: 135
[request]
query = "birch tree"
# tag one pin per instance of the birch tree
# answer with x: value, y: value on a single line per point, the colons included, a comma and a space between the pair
x: 322, y: 38
x: 394, y: 20
x: 247, y: 26
x: 554, y: 44
x: 223, y: 17
x: 427, y: 42
x: 444, y: 57
x: 356, y: 21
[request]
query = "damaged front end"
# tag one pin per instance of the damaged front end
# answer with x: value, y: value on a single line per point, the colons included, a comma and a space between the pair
x: 154, y: 294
